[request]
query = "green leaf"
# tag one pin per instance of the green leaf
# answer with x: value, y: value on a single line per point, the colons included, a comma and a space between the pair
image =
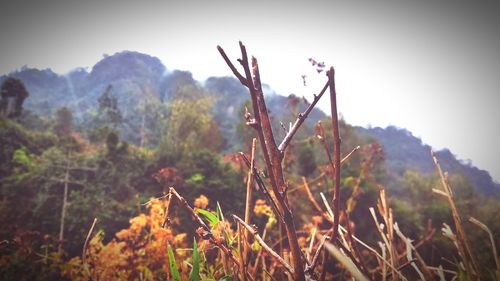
x: 209, y: 216
x: 173, y: 267
x: 226, y: 278
x: 194, y: 275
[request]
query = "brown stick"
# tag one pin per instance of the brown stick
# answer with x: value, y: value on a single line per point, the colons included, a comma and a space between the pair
x: 300, y: 119
x: 248, y: 205
x: 259, y: 239
x: 263, y: 188
x: 272, y: 156
x: 231, y: 66
x: 336, y: 152
x: 208, y: 233
x: 312, y: 200
x: 314, y: 262
x: 241, y: 240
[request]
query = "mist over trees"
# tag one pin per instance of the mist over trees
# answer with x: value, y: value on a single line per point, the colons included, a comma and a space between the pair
x: 102, y: 144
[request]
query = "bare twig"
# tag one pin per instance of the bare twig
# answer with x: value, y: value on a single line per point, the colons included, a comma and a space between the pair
x: 270, y: 151
x: 300, y: 119
x: 232, y: 67
x: 259, y: 239
x: 312, y: 200
x: 336, y: 153
x: 349, y: 154
x: 320, y: 134
x: 248, y: 205
x: 263, y: 188
x: 166, y: 211
x: 314, y: 262
x: 207, y: 233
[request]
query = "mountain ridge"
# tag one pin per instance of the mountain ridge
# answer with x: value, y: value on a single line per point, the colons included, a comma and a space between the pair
x: 136, y: 77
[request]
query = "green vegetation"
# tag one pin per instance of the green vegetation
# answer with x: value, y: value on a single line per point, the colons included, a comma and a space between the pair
x: 160, y: 171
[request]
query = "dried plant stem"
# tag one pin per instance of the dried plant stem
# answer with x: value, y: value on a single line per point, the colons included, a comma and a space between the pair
x: 463, y: 245
x: 420, y: 260
x: 311, y: 198
x: 353, y: 245
x: 300, y: 119
x: 250, y: 181
x: 241, y: 240
x: 387, y: 242
x: 208, y: 233
x: 248, y: 205
x: 320, y: 134
x: 492, y: 240
x: 349, y: 154
x: 272, y: 155
x: 84, y: 250
x: 309, y: 269
x: 262, y: 187
x: 346, y: 262
x: 256, y: 263
x: 259, y: 239
x: 336, y: 153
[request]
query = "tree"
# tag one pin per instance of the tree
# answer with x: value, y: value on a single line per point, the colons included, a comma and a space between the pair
x: 189, y: 125
x: 13, y: 94
x: 63, y: 122
x: 108, y: 111
x: 108, y: 117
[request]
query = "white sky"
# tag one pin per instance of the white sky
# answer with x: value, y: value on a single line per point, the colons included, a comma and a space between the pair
x: 429, y: 66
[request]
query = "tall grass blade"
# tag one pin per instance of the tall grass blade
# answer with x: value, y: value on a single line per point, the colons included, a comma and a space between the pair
x: 174, y: 271
x: 194, y: 275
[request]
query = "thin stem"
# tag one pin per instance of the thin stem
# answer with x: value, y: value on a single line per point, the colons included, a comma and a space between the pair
x: 207, y: 233
x: 336, y: 153
x: 232, y: 67
x: 314, y: 262
x: 272, y: 155
x: 492, y: 240
x: 241, y: 240
x: 259, y: 239
x: 462, y: 241
x: 263, y: 188
x: 248, y: 205
x: 300, y: 119
x: 84, y: 250
x: 312, y: 200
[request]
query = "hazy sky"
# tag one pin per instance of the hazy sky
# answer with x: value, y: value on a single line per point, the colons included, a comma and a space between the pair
x: 429, y: 66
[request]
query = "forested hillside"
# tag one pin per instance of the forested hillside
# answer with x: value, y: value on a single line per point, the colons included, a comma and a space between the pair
x: 108, y: 143
x: 143, y: 88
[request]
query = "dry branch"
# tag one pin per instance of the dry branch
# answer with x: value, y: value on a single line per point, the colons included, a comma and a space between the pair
x: 336, y: 153
x: 272, y: 155
x: 255, y: 234
x: 300, y: 119
x: 207, y: 233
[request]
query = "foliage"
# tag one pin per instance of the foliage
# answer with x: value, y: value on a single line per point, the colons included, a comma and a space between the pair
x: 189, y: 125
x: 13, y: 94
x: 129, y: 159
